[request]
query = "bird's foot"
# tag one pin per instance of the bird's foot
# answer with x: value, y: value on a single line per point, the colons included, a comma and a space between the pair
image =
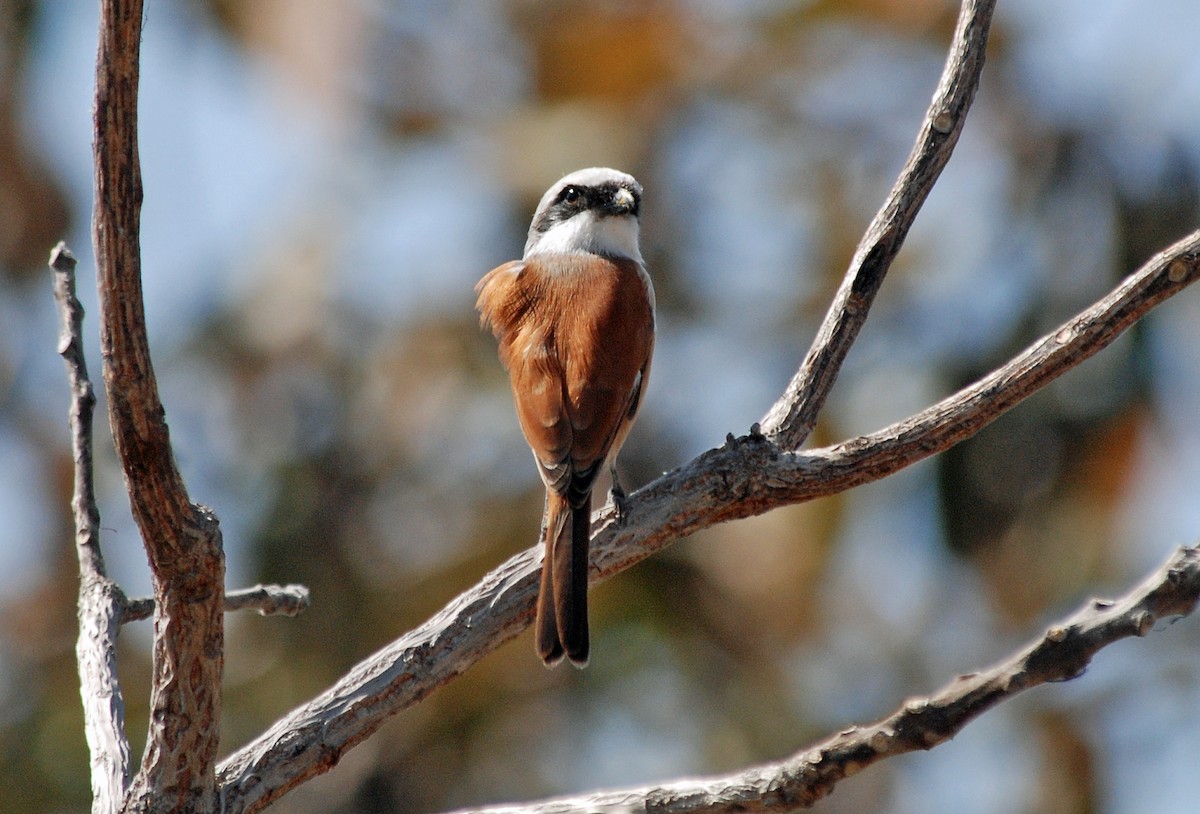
x: 619, y: 500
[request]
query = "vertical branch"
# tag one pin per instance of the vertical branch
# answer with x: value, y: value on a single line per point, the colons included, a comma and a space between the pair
x: 101, y: 602
x: 182, y: 540
x: 792, y: 418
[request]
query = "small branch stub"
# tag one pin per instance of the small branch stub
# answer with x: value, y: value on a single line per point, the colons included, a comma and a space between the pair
x: 1180, y: 268
x: 942, y: 123
x: 268, y: 600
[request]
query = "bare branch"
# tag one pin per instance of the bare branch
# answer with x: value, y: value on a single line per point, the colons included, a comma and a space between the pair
x: 83, y: 406
x: 750, y: 475
x: 791, y: 419
x: 268, y: 600
x: 1061, y: 654
x: 747, y: 476
x: 182, y: 540
x: 100, y: 600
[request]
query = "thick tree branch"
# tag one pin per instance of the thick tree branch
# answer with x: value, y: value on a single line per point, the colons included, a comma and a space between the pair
x: 747, y: 476
x: 100, y: 600
x: 268, y: 600
x: 791, y: 419
x: 182, y: 540
x: 1062, y: 653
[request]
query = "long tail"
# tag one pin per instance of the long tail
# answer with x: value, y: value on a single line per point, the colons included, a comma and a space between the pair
x: 562, y: 617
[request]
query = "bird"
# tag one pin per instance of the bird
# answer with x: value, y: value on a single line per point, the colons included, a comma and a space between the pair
x: 575, y: 324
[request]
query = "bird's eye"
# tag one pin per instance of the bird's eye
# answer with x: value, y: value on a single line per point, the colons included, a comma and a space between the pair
x: 571, y: 195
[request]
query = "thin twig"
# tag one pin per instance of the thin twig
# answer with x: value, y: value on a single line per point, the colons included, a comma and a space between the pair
x: 100, y: 600
x: 791, y: 419
x: 83, y: 406
x: 747, y: 476
x: 268, y: 600
x: 1060, y: 654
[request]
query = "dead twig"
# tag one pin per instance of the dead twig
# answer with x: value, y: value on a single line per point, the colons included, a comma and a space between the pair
x: 100, y: 599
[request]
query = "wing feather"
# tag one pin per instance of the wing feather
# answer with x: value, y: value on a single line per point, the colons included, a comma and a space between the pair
x: 576, y: 333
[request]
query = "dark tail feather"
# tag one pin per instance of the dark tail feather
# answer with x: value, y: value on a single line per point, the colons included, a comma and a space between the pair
x: 554, y: 528
x: 571, y: 584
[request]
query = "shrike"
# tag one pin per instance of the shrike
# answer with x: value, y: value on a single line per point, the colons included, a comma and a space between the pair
x: 575, y: 321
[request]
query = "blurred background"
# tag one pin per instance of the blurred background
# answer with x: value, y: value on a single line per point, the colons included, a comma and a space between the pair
x: 325, y: 182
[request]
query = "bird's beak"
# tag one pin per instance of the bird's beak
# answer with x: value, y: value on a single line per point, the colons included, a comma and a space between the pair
x: 622, y: 202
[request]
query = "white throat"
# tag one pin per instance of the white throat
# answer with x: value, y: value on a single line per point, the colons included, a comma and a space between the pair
x: 614, y: 236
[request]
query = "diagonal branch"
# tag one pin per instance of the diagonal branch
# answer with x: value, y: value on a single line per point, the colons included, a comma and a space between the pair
x: 745, y: 477
x: 181, y: 539
x: 100, y: 600
x: 791, y: 419
x: 1062, y: 653
x: 750, y: 475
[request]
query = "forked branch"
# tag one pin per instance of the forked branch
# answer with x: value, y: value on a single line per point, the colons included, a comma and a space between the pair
x: 791, y: 419
x: 747, y: 476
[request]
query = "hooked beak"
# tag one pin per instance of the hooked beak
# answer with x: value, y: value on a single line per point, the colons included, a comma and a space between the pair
x: 623, y: 203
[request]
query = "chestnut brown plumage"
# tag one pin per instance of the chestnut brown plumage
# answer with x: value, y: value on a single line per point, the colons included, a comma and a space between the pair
x: 575, y: 323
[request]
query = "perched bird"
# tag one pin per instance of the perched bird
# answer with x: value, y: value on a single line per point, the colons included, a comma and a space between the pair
x: 575, y: 322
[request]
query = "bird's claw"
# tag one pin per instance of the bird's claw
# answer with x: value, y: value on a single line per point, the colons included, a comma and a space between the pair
x: 619, y: 501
